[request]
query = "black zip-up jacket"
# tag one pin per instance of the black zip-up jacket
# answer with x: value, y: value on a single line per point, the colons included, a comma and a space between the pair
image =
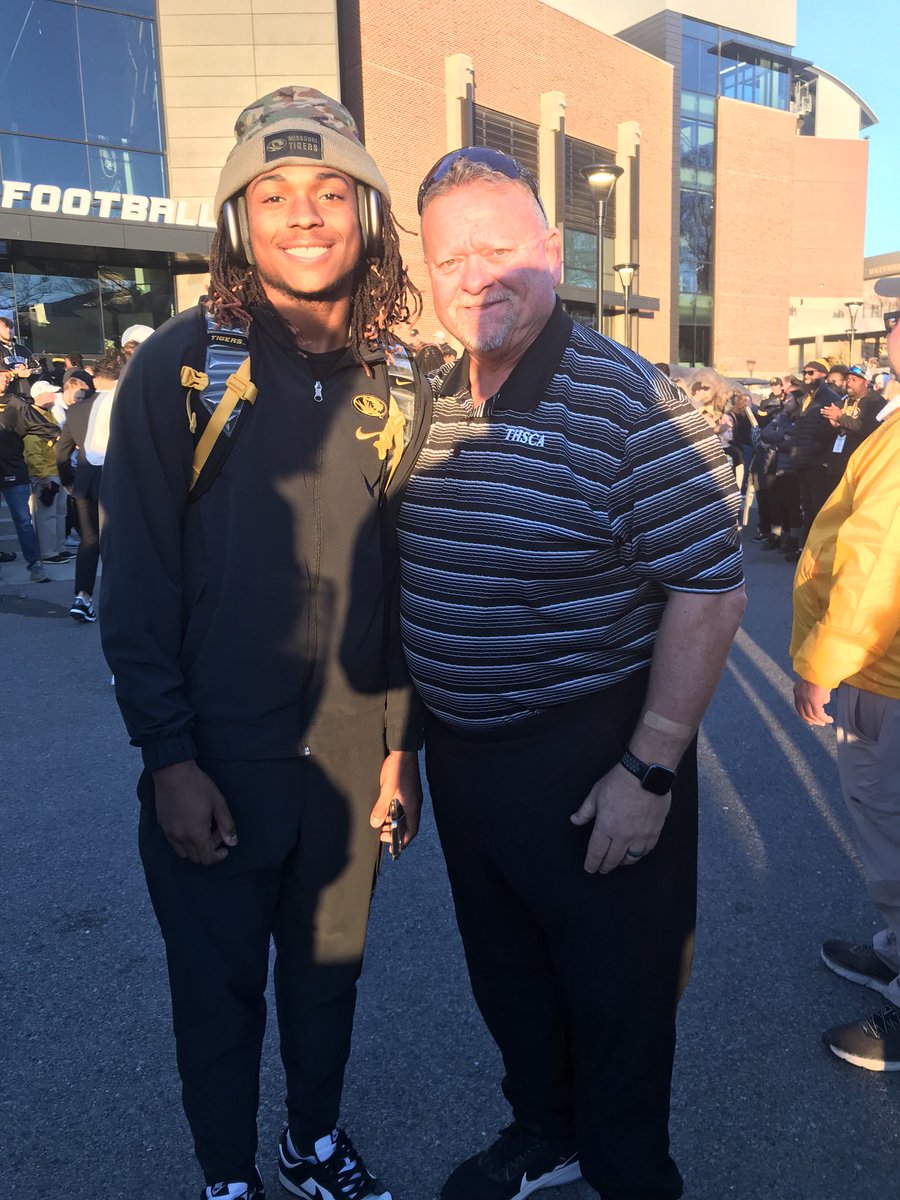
x: 17, y: 419
x: 813, y: 436
x: 20, y: 386
x: 243, y: 624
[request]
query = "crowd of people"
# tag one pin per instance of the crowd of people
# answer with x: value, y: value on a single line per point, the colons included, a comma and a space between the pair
x: 54, y: 428
x: 790, y: 448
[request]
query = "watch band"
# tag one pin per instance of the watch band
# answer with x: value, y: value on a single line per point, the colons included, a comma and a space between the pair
x: 654, y: 777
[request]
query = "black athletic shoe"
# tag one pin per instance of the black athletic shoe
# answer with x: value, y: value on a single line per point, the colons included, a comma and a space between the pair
x: 516, y: 1165
x: 7, y: 556
x: 62, y: 557
x: 873, y: 1044
x: 235, y: 1191
x: 82, y: 610
x: 343, y: 1176
x: 859, y: 963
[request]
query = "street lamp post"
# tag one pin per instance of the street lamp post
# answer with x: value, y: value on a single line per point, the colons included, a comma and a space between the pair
x: 852, y: 307
x: 626, y: 271
x: 601, y: 178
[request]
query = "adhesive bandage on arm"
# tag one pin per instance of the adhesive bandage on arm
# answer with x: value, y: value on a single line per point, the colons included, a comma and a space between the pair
x: 664, y: 725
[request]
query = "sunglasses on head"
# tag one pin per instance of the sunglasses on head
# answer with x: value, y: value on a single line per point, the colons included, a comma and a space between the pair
x: 504, y: 164
x: 890, y: 321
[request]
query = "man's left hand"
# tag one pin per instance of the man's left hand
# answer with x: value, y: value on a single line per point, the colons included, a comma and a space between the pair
x: 810, y: 701
x: 832, y: 412
x: 399, y: 780
x: 626, y: 818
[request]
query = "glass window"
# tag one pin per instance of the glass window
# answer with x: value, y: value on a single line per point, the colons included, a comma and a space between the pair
x: 121, y: 86
x: 7, y: 295
x: 581, y: 259
x: 699, y: 65
x: 694, y: 345
x: 697, y: 151
x: 140, y: 8
x: 696, y: 226
x: 698, y: 29
x: 693, y: 105
x: 690, y: 64
x: 34, y: 32
x: 114, y: 170
x: 58, y: 307
x: 695, y: 277
x: 134, y: 296
x: 709, y: 68
x: 39, y: 160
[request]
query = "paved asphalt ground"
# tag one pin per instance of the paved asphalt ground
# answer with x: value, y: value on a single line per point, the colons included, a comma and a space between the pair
x: 90, y: 1105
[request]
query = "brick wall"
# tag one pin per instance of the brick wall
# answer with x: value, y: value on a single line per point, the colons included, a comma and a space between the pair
x: 398, y: 80
x: 789, y: 222
x: 829, y: 217
x: 755, y: 150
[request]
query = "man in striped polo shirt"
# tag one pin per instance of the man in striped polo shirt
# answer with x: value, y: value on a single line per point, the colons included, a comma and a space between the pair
x: 571, y: 583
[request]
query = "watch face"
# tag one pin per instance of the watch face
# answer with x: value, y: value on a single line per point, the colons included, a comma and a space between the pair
x: 658, y: 780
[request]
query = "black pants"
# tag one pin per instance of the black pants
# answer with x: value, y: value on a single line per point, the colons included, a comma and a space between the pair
x: 88, y: 555
x: 577, y: 976
x: 784, y: 502
x: 816, y: 485
x: 303, y: 871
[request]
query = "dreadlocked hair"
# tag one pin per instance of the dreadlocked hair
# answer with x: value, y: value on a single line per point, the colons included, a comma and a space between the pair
x: 383, y: 294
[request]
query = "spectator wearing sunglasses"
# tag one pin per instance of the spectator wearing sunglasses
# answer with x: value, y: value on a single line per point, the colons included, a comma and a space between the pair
x: 570, y: 522
x: 810, y: 446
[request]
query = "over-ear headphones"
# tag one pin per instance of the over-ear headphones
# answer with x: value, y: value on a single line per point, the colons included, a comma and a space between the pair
x: 237, y: 225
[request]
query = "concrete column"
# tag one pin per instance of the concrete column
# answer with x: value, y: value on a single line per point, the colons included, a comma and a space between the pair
x: 628, y: 140
x: 551, y: 148
x: 459, y: 92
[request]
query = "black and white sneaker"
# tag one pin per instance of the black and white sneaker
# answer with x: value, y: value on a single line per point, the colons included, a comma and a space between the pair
x: 859, y: 963
x: 340, y: 1176
x: 516, y: 1165
x: 235, y: 1191
x: 873, y: 1044
x: 82, y: 610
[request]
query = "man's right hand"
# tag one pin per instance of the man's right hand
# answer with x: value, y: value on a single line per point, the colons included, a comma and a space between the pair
x: 192, y: 813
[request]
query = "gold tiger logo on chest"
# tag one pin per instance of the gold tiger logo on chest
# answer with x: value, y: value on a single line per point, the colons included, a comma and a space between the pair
x: 370, y: 406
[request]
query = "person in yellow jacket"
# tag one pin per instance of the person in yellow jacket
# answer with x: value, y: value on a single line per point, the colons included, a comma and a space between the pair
x: 48, y: 499
x: 846, y: 635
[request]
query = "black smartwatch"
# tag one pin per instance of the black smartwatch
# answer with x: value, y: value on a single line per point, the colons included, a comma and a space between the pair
x: 654, y: 778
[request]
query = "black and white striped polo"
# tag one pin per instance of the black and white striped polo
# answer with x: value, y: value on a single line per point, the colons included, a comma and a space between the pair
x: 538, y: 536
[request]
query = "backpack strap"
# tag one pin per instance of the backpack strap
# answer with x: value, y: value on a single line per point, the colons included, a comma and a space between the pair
x: 238, y: 387
x: 401, y: 408
x: 221, y: 389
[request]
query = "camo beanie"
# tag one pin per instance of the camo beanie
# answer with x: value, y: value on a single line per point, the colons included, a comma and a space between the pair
x: 295, y: 127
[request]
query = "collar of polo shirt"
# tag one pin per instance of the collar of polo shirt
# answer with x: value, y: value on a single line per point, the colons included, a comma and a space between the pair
x: 527, y: 383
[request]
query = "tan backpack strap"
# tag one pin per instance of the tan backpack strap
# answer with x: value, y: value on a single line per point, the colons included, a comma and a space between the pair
x: 239, y: 387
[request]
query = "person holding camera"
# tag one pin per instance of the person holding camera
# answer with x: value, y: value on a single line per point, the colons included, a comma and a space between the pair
x: 48, y: 500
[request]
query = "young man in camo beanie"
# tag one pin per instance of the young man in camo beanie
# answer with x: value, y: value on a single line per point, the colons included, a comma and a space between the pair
x: 250, y: 626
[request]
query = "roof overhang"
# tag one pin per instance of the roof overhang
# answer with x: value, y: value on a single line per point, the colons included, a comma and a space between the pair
x: 183, y: 244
